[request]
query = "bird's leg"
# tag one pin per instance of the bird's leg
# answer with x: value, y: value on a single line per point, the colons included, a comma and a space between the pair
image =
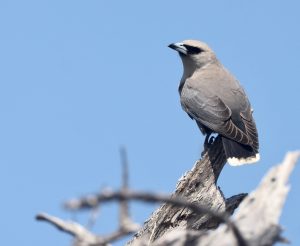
x: 209, y: 140
x: 206, y: 141
x: 206, y: 144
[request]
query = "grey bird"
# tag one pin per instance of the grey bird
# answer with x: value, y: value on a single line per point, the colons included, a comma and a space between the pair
x: 211, y: 96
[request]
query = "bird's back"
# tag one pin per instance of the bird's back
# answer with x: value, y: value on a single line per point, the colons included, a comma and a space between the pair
x: 215, y: 80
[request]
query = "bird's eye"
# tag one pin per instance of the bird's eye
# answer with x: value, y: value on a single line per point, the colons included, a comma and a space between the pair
x: 192, y: 50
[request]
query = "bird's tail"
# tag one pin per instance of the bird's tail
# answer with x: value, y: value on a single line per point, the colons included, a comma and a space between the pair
x: 239, y: 154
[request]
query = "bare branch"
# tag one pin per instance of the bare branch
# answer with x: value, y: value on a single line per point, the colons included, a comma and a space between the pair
x: 189, y: 216
x: 261, y: 208
x: 121, y: 232
x: 126, y: 225
x: 124, y: 163
x: 91, y: 201
x: 72, y: 228
x: 108, y: 196
x: 124, y: 219
x: 83, y: 236
x: 197, y: 186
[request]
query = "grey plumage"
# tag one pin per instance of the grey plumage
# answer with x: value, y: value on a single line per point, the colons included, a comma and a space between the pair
x: 211, y: 96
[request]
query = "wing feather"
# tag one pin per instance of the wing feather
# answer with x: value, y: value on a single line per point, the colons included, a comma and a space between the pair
x: 212, y: 112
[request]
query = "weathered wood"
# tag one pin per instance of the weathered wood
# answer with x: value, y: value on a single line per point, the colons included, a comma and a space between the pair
x: 257, y: 216
x: 197, y: 186
x: 191, y: 216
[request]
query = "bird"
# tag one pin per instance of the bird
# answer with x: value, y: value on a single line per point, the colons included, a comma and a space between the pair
x: 214, y: 98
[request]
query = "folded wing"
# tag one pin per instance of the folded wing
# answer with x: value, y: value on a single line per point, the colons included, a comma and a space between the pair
x: 213, y: 113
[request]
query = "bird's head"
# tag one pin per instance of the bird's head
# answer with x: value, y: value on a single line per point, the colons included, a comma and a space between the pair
x: 194, y: 54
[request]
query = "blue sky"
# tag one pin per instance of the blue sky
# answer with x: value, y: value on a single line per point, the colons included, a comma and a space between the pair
x: 81, y: 78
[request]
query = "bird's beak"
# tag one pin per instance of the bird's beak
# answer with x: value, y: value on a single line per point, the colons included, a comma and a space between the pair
x: 179, y: 47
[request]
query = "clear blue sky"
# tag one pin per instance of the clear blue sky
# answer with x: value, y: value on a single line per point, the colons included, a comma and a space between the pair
x: 80, y: 78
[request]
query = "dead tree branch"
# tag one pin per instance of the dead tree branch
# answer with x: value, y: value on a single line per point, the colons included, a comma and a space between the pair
x: 192, y: 214
x: 91, y: 201
x: 82, y: 236
x: 257, y: 217
x: 198, y: 186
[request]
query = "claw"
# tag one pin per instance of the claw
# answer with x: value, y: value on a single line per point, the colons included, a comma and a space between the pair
x: 211, y: 140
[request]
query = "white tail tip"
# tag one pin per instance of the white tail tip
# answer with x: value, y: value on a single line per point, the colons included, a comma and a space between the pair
x: 233, y: 161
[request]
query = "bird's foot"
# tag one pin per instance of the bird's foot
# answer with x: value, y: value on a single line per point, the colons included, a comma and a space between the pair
x: 209, y: 140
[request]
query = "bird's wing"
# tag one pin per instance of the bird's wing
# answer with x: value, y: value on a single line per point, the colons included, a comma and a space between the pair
x: 250, y: 128
x: 212, y: 112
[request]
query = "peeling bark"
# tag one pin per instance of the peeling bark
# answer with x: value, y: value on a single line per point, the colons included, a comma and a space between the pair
x: 197, y: 186
x: 257, y: 216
